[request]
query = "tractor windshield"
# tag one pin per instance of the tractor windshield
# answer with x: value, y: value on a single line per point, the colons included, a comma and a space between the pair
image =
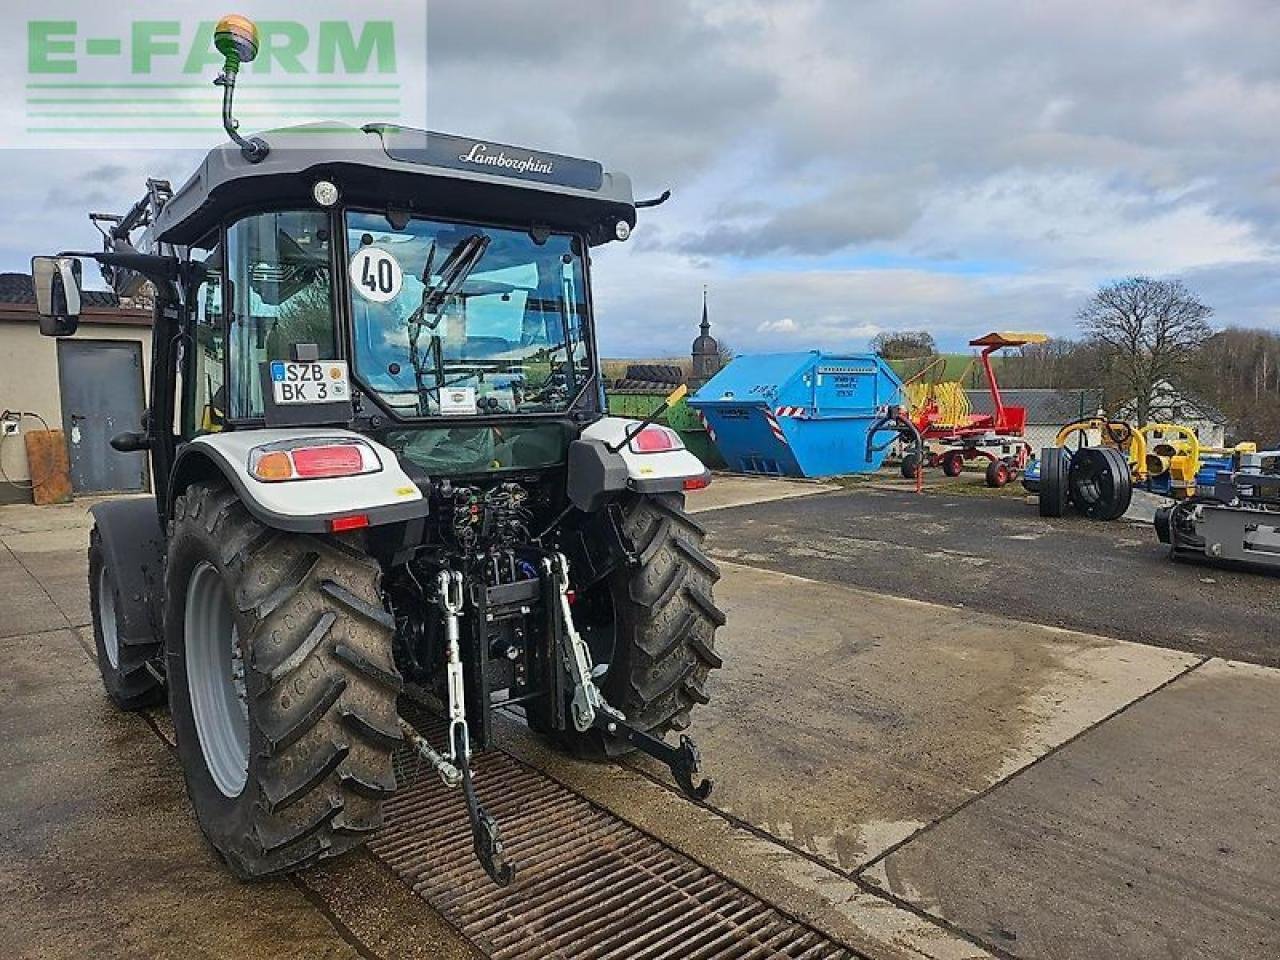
x: 456, y: 320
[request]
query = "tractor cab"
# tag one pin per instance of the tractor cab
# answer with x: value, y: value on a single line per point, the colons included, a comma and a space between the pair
x: 447, y: 298
x: 452, y: 300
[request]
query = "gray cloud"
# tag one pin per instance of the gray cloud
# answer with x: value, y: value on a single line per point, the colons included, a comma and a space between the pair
x: 865, y: 210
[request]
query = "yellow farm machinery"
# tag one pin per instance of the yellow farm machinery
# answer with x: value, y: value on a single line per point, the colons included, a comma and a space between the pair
x: 1163, y: 458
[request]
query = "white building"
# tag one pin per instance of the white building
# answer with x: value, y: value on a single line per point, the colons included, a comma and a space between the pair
x: 1171, y: 405
x: 90, y: 386
x: 1048, y: 410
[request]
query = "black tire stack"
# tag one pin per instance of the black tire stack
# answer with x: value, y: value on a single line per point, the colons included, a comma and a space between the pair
x: 1095, y: 481
x: 1054, y: 499
x: 666, y: 373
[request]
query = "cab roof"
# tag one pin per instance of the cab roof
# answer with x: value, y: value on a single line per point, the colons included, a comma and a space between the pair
x: 387, y: 167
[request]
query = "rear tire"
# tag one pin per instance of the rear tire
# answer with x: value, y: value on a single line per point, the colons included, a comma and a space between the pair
x: 664, y: 619
x: 122, y: 660
x: 299, y: 776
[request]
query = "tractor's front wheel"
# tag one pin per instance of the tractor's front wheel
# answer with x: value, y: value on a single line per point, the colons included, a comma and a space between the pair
x: 122, y: 660
x: 653, y: 623
x: 281, y: 685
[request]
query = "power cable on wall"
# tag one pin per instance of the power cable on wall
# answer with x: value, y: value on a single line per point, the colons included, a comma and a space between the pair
x: 7, y: 415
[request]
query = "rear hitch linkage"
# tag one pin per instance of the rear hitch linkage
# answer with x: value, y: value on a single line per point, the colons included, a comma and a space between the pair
x: 454, y: 767
x: 682, y: 761
x: 485, y: 835
x: 588, y: 708
x: 591, y: 710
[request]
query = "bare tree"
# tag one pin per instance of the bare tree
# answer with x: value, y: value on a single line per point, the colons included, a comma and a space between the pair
x: 904, y: 344
x: 1149, y: 331
x: 725, y: 351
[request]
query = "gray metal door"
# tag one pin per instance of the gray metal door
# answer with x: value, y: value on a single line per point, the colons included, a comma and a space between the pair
x: 100, y: 382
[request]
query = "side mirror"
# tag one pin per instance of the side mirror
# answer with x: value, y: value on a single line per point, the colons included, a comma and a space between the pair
x: 57, y: 283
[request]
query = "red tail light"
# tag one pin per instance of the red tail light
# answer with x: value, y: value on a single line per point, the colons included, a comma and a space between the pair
x: 312, y: 459
x: 655, y: 439
x: 334, y: 460
x: 697, y: 483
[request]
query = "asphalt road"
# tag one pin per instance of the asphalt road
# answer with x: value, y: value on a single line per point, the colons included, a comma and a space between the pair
x: 994, y: 553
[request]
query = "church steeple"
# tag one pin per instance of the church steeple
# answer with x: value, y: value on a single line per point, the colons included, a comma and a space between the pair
x: 706, y: 352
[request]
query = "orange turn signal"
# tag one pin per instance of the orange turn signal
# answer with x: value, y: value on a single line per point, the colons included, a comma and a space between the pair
x: 275, y: 465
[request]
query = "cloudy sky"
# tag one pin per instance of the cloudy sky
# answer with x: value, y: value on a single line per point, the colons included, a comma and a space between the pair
x: 841, y: 168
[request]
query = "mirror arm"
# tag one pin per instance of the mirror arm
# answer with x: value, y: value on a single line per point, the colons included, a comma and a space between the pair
x: 155, y: 268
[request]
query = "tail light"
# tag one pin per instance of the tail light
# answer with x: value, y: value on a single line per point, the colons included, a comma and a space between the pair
x: 697, y: 483
x: 312, y: 459
x: 655, y: 439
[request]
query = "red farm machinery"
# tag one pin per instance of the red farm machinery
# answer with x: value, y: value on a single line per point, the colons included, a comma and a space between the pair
x: 953, y: 434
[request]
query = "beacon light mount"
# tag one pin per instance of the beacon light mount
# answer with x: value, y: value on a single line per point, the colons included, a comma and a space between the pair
x: 236, y: 38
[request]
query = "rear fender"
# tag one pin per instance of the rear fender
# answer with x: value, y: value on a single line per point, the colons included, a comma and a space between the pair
x: 301, y: 506
x: 664, y: 472
x: 134, y: 545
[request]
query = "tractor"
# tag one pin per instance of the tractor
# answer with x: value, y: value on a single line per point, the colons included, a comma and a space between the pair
x: 384, y: 473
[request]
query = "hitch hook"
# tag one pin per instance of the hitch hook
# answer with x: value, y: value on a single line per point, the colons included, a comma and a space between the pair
x: 486, y: 838
x: 683, y: 761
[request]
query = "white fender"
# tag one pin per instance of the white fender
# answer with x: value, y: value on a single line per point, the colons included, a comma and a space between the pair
x: 385, y: 495
x: 649, y: 472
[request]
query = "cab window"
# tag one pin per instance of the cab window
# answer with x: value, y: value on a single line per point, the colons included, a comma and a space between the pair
x: 204, y: 387
x: 279, y: 265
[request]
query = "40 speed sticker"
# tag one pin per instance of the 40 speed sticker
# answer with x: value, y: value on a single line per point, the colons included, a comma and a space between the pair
x: 376, y: 275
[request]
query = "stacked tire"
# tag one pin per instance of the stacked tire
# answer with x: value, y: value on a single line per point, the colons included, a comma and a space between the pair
x: 1054, y: 499
x: 1095, y: 481
x: 665, y: 373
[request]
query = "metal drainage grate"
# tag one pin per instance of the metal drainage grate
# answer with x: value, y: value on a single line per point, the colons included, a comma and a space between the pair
x: 588, y: 885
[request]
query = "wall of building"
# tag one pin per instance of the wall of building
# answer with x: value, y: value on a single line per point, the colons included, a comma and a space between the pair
x: 29, y: 381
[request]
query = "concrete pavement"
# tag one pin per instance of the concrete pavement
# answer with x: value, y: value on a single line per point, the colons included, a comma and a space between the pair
x: 959, y: 545
x: 1155, y: 835
x: 914, y: 779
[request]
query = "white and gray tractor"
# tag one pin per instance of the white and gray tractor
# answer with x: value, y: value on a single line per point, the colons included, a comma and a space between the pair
x: 383, y: 471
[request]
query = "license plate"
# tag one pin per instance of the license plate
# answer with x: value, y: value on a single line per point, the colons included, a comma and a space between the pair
x: 324, y: 381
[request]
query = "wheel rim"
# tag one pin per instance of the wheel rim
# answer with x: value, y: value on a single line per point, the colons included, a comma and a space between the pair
x: 107, y: 619
x: 215, y: 681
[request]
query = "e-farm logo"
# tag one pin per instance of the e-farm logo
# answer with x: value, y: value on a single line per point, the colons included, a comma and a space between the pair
x: 148, y: 81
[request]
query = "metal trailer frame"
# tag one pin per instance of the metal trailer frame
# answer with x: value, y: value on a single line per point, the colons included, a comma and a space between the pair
x: 1240, y: 523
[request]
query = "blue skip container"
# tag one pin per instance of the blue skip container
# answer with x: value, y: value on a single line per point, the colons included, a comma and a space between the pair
x: 799, y: 414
